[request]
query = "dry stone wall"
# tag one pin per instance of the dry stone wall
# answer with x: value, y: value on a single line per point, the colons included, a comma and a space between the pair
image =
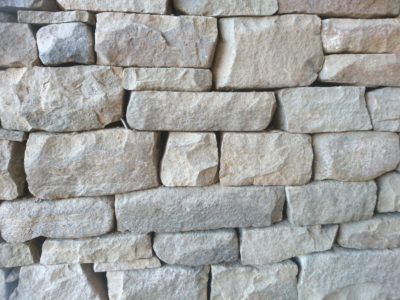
x: 199, y: 149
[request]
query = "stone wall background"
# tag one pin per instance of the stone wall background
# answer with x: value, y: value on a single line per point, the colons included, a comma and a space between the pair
x: 199, y: 149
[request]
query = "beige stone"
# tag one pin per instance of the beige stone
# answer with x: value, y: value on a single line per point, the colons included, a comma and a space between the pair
x: 267, y: 158
x: 389, y: 193
x: 26, y: 219
x: 269, y: 52
x: 155, y: 41
x: 384, y: 108
x: 46, y: 17
x: 13, y: 135
x: 138, y: 264
x: 103, y: 162
x: 28, y: 4
x: 18, y: 254
x: 214, y: 111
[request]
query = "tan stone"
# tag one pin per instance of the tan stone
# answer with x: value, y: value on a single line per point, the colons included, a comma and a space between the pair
x: 46, y: 17
x: 28, y: 4
x: 389, y: 193
x: 155, y: 41
x: 18, y: 254
x: 13, y: 135
x: 138, y: 264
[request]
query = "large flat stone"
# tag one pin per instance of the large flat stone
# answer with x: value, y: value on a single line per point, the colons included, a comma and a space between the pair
x: 47, y: 17
x: 269, y: 52
x: 138, y: 6
x: 155, y: 41
x: 214, y: 111
x: 60, y: 99
x: 267, y: 158
x: 26, y: 219
x: 193, y: 208
x: 138, y: 264
x: 28, y: 4
x: 355, y: 156
x: 95, y: 163
x: 18, y: 254
x: 389, y: 193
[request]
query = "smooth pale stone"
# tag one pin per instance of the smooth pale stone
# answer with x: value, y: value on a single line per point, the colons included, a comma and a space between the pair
x: 155, y: 41
x: 224, y: 8
x: 60, y: 99
x: 197, y: 248
x: 138, y: 264
x: 18, y: 46
x: 7, y: 18
x: 194, y: 208
x: 66, y: 43
x: 28, y: 4
x: 261, y: 246
x: 272, y: 282
x: 167, y: 283
x: 214, y: 111
x: 38, y: 282
x: 362, y: 69
x: 270, y: 52
x: 322, y: 109
x: 46, y: 17
x: 13, y: 135
x: 355, y: 156
x: 384, y: 108
x: 167, y: 79
x: 190, y: 159
x: 111, y: 248
x: 329, y: 201
x: 267, y: 158
x: 350, y: 274
x: 18, y: 254
x: 103, y: 162
x: 389, y: 193
x: 26, y: 219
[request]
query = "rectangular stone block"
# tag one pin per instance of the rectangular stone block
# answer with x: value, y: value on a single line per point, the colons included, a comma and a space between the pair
x: 137, y: 264
x: 18, y: 254
x: 94, y: 163
x: 384, y: 108
x: 13, y: 135
x: 28, y: 4
x: 389, y: 193
x: 46, y: 17
x: 155, y: 41
x: 193, y: 208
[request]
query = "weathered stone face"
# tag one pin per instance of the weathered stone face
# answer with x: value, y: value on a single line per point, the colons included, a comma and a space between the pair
x: 93, y: 163
x: 47, y: 17
x: 138, y: 264
x: 28, y: 4
x: 155, y: 41
x: 252, y: 52
x: 18, y: 254
x: 389, y: 193
x: 13, y: 135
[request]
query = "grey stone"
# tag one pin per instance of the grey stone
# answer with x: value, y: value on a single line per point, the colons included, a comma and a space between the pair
x: 13, y: 135
x: 7, y: 17
x: 137, y: 264
x: 28, y: 4
x: 46, y: 17
x: 18, y: 254
x: 389, y: 193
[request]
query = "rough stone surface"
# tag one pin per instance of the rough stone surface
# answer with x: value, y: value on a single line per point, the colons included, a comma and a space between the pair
x: 193, y: 208
x: 28, y: 4
x: 26, y: 219
x: 39, y: 282
x: 322, y: 109
x: 13, y: 135
x: 167, y: 79
x: 66, y: 43
x: 3, y: 284
x: 103, y: 162
x: 7, y: 17
x: 272, y: 282
x: 60, y: 99
x: 18, y: 46
x: 268, y: 158
x: 214, y: 111
x: 167, y: 283
x: 197, y: 248
x: 190, y: 159
x: 329, y: 201
x: 350, y: 274
x: 111, y: 248
x: 46, y: 17
x: 389, y: 193
x: 268, y: 52
x: 155, y: 41
x: 355, y: 156
x: 261, y: 246
x: 362, y: 69
x: 384, y: 108
x: 138, y: 264
x: 18, y: 254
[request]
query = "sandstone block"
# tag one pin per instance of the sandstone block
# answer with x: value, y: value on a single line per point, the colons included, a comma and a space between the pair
x: 46, y: 17
x: 18, y: 254
x: 384, y: 108
x: 155, y: 41
x: 13, y: 135
x: 389, y: 193
x: 95, y: 163
x: 137, y: 264
x: 28, y: 4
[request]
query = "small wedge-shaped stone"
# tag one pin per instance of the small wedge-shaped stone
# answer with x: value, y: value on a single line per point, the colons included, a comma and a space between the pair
x: 111, y: 248
x: 389, y: 193
x: 269, y: 52
x: 329, y: 201
x: 350, y: 274
x: 46, y: 17
x: 322, y: 109
x: 60, y: 99
x: 167, y: 283
x: 138, y: 264
x: 214, y: 111
x: 261, y: 246
x: 167, y: 79
x: 18, y: 254
x: 267, y: 158
x: 197, y: 248
x: 13, y: 135
x: 18, y: 46
x: 38, y: 282
x: 362, y: 69
x: 193, y: 208
x: 155, y: 41
x: 103, y: 162
x: 190, y: 159
x: 28, y: 4
x: 26, y: 219
x: 384, y: 108
x: 272, y: 282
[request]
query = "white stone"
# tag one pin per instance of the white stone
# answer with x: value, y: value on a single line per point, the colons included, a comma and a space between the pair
x: 18, y: 254
x: 28, y: 4
x: 47, y: 17
x: 138, y: 264
x: 389, y: 193
x: 13, y: 135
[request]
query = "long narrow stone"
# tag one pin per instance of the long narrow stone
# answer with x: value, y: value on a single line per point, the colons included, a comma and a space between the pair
x: 13, y: 135
x: 137, y: 264
x: 18, y: 254
x: 46, y: 17
x: 28, y: 4
x: 389, y: 193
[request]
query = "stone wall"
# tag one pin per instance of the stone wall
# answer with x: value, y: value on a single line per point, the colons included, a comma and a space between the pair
x: 200, y: 149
